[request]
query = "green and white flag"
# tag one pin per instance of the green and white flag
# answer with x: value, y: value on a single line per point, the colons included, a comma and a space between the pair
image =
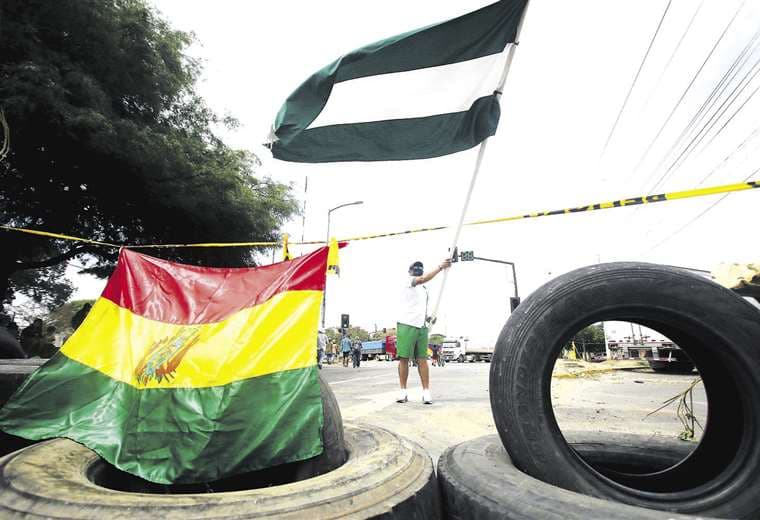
x: 421, y: 94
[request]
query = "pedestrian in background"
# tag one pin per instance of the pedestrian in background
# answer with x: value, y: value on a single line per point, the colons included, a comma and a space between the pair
x: 321, y: 346
x: 356, y: 352
x: 345, y: 348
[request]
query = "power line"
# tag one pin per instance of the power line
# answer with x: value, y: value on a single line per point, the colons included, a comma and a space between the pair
x: 703, y: 132
x: 752, y: 94
x: 673, y: 55
x: 704, y: 109
x: 630, y: 90
x: 728, y: 157
x: 688, y: 88
x: 712, y: 99
x: 701, y: 214
x: 725, y: 160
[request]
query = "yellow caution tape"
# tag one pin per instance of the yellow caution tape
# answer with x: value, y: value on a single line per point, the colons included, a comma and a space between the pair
x: 633, y: 201
x: 333, y: 262
x: 61, y: 236
x: 285, y: 250
x: 57, y: 235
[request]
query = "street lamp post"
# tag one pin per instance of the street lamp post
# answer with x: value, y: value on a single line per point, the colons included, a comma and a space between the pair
x: 324, y: 294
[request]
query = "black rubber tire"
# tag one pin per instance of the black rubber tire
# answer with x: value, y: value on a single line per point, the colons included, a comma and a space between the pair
x: 385, y: 477
x: 479, y: 481
x: 460, y: 359
x: 719, y: 331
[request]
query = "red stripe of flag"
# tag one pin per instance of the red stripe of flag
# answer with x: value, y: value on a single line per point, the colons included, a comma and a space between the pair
x: 184, y: 294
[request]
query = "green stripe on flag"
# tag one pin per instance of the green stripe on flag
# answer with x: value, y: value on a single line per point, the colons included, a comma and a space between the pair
x: 184, y: 435
x: 474, y: 35
x: 397, y: 139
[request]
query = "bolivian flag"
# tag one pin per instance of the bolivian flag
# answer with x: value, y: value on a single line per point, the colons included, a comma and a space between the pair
x: 187, y: 374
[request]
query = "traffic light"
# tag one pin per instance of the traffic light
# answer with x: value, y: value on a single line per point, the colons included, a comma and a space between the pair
x: 467, y: 256
x: 344, y: 321
x: 514, y: 301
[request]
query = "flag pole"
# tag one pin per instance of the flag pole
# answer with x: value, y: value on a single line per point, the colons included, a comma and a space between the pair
x: 478, y: 162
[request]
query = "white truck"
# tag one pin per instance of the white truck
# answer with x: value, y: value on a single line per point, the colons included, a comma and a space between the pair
x: 460, y: 350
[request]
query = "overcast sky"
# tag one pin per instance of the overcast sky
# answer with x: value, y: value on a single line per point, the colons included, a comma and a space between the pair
x: 572, y: 71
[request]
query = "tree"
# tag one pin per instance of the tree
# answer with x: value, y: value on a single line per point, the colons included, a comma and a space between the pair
x: 589, y: 339
x: 436, y: 339
x: 62, y: 318
x: 110, y: 141
x: 354, y: 333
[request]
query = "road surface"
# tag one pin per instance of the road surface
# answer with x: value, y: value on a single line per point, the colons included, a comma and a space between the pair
x: 616, y: 401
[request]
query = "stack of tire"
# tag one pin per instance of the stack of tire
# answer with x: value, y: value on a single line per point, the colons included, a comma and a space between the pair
x: 364, y: 472
x: 530, y: 470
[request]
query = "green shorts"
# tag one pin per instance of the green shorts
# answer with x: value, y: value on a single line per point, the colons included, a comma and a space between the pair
x: 411, y: 342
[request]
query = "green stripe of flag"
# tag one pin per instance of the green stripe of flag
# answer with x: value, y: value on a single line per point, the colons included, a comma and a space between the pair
x: 478, y: 34
x: 399, y: 139
x: 138, y: 431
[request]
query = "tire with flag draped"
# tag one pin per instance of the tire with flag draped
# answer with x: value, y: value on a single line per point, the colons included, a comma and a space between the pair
x: 183, y: 374
x: 385, y: 477
x: 333, y: 456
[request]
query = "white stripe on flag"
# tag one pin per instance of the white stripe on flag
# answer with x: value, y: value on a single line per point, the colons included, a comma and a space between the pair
x: 417, y: 93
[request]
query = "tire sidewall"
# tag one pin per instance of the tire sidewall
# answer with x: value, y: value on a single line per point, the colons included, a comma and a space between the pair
x: 386, y: 476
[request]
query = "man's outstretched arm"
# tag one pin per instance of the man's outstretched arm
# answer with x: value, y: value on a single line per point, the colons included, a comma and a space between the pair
x: 418, y: 280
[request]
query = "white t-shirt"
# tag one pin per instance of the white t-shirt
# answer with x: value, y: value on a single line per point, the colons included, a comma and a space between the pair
x: 413, y: 304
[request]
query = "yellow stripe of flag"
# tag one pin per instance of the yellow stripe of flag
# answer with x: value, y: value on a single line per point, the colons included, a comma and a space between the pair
x: 274, y: 336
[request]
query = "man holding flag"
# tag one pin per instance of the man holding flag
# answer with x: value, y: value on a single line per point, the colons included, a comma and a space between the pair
x: 421, y: 94
x: 412, y: 331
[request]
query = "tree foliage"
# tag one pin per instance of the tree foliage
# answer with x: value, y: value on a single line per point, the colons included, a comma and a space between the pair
x: 110, y: 141
x: 61, y: 317
x: 589, y: 339
x: 437, y: 339
x: 354, y: 333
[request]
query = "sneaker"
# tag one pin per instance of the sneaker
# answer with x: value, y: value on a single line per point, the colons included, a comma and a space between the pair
x: 402, y: 397
x: 426, y: 397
